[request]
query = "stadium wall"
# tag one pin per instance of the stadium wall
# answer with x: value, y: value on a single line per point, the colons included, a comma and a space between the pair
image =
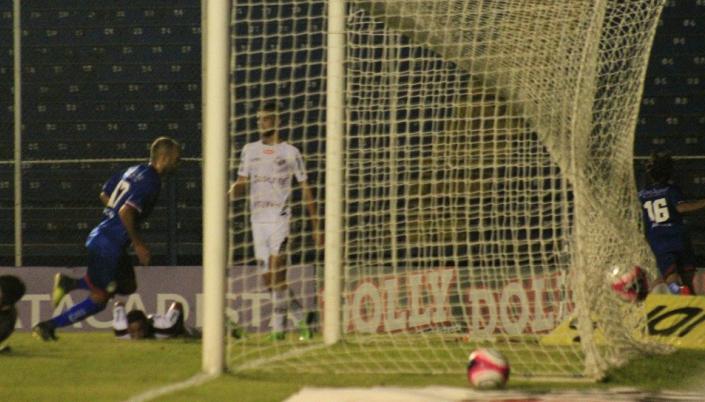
x: 249, y: 302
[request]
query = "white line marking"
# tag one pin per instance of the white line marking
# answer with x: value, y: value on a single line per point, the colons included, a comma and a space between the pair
x: 196, y: 380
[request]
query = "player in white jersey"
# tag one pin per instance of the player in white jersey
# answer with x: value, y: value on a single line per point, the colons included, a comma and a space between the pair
x: 267, y: 166
x: 137, y: 325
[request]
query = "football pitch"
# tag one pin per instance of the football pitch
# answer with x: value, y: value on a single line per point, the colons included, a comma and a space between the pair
x: 97, y: 367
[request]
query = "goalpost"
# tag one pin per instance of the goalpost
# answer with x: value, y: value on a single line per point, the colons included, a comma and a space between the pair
x: 473, y: 160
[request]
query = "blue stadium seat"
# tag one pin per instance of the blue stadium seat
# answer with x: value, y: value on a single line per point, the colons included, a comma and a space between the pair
x: 674, y: 104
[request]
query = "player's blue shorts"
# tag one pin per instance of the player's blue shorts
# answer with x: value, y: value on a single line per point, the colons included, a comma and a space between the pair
x: 675, y: 262
x: 109, y: 268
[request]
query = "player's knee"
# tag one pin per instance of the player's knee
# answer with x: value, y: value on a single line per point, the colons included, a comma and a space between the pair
x: 100, y: 297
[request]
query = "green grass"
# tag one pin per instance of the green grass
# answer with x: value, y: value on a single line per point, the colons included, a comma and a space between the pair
x: 96, y: 367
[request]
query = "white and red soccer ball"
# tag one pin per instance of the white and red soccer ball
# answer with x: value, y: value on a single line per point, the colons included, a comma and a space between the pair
x: 630, y: 285
x: 487, y: 369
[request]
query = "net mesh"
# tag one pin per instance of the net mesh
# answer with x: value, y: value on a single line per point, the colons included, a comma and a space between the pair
x: 488, y: 189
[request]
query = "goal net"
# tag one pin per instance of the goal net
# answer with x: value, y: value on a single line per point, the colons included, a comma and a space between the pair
x: 488, y: 197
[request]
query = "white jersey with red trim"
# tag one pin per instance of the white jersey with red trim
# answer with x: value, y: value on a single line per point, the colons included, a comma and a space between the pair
x: 269, y: 169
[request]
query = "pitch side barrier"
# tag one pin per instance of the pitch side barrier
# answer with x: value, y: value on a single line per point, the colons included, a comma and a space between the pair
x: 674, y: 320
x: 157, y: 288
x: 406, y: 301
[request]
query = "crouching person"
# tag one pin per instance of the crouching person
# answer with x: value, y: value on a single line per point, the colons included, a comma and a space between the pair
x: 11, y: 291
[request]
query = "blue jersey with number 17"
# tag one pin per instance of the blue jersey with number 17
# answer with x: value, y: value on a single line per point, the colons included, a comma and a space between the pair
x: 664, y: 226
x: 138, y: 187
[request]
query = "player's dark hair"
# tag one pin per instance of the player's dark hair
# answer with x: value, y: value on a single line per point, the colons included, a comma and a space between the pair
x: 11, y: 290
x: 659, y: 167
x: 270, y: 106
x: 162, y: 145
x: 136, y: 315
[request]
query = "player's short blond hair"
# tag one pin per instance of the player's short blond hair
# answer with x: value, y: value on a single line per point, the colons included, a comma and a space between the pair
x: 162, y: 145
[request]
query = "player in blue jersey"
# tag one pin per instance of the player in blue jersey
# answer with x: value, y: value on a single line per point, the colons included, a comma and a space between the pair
x: 128, y: 197
x: 663, y: 205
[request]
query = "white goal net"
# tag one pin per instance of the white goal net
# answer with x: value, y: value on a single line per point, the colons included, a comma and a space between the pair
x: 488, y: 182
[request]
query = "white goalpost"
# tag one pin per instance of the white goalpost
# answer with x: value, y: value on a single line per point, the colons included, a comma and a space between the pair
x: 335, y: 132
x: 216, y: 48
x: 472, y: 165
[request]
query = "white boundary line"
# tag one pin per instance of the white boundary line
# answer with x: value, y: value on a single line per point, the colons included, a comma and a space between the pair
x: 196, y: 380
x: 202, y: 378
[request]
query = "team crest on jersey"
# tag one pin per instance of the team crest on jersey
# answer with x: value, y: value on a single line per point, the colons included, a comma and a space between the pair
x: 280, y: 162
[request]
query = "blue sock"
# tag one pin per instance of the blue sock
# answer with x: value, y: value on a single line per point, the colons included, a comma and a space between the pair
x: 77, y: 313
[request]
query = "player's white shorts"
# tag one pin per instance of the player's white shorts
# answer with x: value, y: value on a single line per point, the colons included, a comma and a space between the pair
x: 269, y: 238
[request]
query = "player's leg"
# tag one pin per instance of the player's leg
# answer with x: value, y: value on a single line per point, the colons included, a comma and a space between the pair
x: 64, y: 284
x: 277, y: 268
x: 125, y: 277
x: 282, y: 293
x: 686, y: 270
x: 260, y: 237
x: 169, y: 324
x: 100, y: 277
x: 277, y: 284
x: 285, y: 301
x: 668, y: 267
x: 120, y: 321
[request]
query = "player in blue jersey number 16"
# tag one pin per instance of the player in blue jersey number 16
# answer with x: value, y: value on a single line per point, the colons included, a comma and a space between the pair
x: 128, y: 198
x: 663, y: 205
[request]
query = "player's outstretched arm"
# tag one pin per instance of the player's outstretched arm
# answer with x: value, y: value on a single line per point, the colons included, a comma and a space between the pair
x: 104, y: 198
x: 312, y: 213
x: 238, y: 188
x: 128, y: 215
x: 690, y: 206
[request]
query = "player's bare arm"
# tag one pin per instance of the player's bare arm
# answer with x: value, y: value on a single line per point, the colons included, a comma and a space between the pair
x: 690, y: 206
x: 312, y: 213
x: 104, y: 198
x: 128, y: 216
x: 238, y: 188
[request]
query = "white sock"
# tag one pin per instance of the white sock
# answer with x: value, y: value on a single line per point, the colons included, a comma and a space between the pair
x: 279, y: 304
x: 295, y: 308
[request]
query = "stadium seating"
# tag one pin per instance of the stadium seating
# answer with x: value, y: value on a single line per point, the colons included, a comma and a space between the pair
x: 101, y: 79
x: 672, y: 114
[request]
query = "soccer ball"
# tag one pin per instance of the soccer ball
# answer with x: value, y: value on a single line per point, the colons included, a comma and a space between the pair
x: 487, y: 369
x: 631, y: 286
